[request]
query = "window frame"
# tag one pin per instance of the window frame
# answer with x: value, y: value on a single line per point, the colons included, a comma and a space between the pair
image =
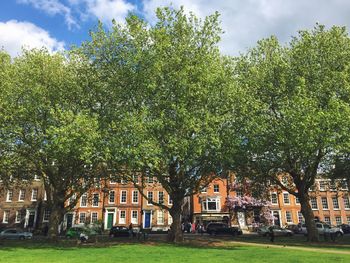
x: 284, y: 199
x: 34, y: 190
x: 122, y: 196
x: 120, y: 217
x: 133, y: 197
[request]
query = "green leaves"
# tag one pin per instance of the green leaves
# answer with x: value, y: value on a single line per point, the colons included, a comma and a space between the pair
x: 302, y: 97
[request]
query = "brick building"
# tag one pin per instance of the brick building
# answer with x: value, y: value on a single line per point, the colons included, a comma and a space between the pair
x: 121, y: 203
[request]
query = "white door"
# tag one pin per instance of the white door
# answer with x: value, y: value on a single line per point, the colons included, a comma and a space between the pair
x: 241, y: 219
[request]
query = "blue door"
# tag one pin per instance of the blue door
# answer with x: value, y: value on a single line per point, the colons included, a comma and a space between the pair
x: 147, y: 220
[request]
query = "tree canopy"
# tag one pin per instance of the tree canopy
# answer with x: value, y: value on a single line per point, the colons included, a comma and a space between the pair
x: 301, y: 92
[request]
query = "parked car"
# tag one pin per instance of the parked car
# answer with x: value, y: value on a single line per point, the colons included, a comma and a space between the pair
x: 277, y: 231
x: 13, y: 233
x: 222, y: 229
x: 120, y: 231
x: 296, y: 229
x: 345, y: 228
x: 324, y: 228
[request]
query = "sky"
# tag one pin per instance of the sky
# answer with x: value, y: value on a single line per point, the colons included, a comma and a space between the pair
x: 59, y: 24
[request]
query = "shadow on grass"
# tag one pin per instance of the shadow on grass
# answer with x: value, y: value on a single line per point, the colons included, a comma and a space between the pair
x: 12, y: 245
x: 197, y: 242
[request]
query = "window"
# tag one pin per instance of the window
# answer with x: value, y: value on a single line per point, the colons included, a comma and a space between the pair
x: 343, y: 185
x: 323, y: 185
x: 19, y: 216
x: 170, y: 219
x: 47, y: 213
x: 335, y: 203
x: 297, y: 201
x: 9, y: 196
x: 6, y: 217
x: 149, y: 198
x: 82, y: 218
x: 135, y: 179
x: 161, y: 197
x: 36, y: 177
x: 122, y: 217
x: 160, y: 217
x: 135, y: 197
x: 204, y: 190
x: 97, y: 182
x: 348, y: 219
x: 333, y: 186
x: 327, y: 219
x: 300, y: 217
x: 123, y: 197
x: 111, y: 198
x: 72, y: 199
x: 286, y: 200
x: 239, y: 192
x: 83, y: 200
x: 150, y: 179
x: 338, y: 220
x: 94, y: 217
x: 216, y: 188
x: 313, y: 201
x: 22, y: 195
x: 112, y: 181
x: 170, y: 201
x: 95, y: 200
x: 134, y: 216
x: 211, y: 204
x: 289, y: 217
x: 274, y: 199
x: 34, y: 194
x: 324, y: 202
x: 346, y: 202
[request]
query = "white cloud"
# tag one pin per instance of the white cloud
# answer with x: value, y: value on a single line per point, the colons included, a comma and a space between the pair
x: 245, y: 22
x: 15, y: 34
x: 106, y: 10
x: 53, y: 7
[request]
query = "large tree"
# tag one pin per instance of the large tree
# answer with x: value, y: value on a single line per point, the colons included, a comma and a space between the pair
x: 301, y: 92
x: 48, y: 129
x: 169, y: 92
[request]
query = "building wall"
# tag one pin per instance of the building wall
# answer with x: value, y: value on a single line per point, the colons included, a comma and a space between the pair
x: 323, y: 214
x: 160, y: 219
x: 216, y: 190
x: 22, y: 212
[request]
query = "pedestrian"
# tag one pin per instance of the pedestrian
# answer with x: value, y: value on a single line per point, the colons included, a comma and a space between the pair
x: 130, y: 231
x: 183, y: 227
x: 193, y: 228
x: 272, y: 234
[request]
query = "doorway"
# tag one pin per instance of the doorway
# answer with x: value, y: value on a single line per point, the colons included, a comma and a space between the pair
x: 147, y: 222
x: 110, y: 220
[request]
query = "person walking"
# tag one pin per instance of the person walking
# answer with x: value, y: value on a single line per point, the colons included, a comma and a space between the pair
x: 272, y: 234
x: 130, y: 231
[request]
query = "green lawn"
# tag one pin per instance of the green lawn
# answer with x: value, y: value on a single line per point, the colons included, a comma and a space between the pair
x: 158, y: 252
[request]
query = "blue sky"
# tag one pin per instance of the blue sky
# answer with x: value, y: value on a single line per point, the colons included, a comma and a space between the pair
x: 57, y: 24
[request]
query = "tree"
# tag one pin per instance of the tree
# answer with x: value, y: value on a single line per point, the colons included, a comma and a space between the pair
x: 301, y: 96
x: 170, y: 91
x: 48, y: 129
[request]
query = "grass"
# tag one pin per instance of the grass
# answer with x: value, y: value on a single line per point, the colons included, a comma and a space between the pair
x: 209, y: 251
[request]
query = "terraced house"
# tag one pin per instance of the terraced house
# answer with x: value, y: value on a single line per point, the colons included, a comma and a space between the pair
x: 108, y: 203
x: 111, y: 203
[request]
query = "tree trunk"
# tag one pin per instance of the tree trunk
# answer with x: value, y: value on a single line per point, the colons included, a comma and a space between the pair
x: 175, y: 234
x: 306, y: 210
x: 56, y: 217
